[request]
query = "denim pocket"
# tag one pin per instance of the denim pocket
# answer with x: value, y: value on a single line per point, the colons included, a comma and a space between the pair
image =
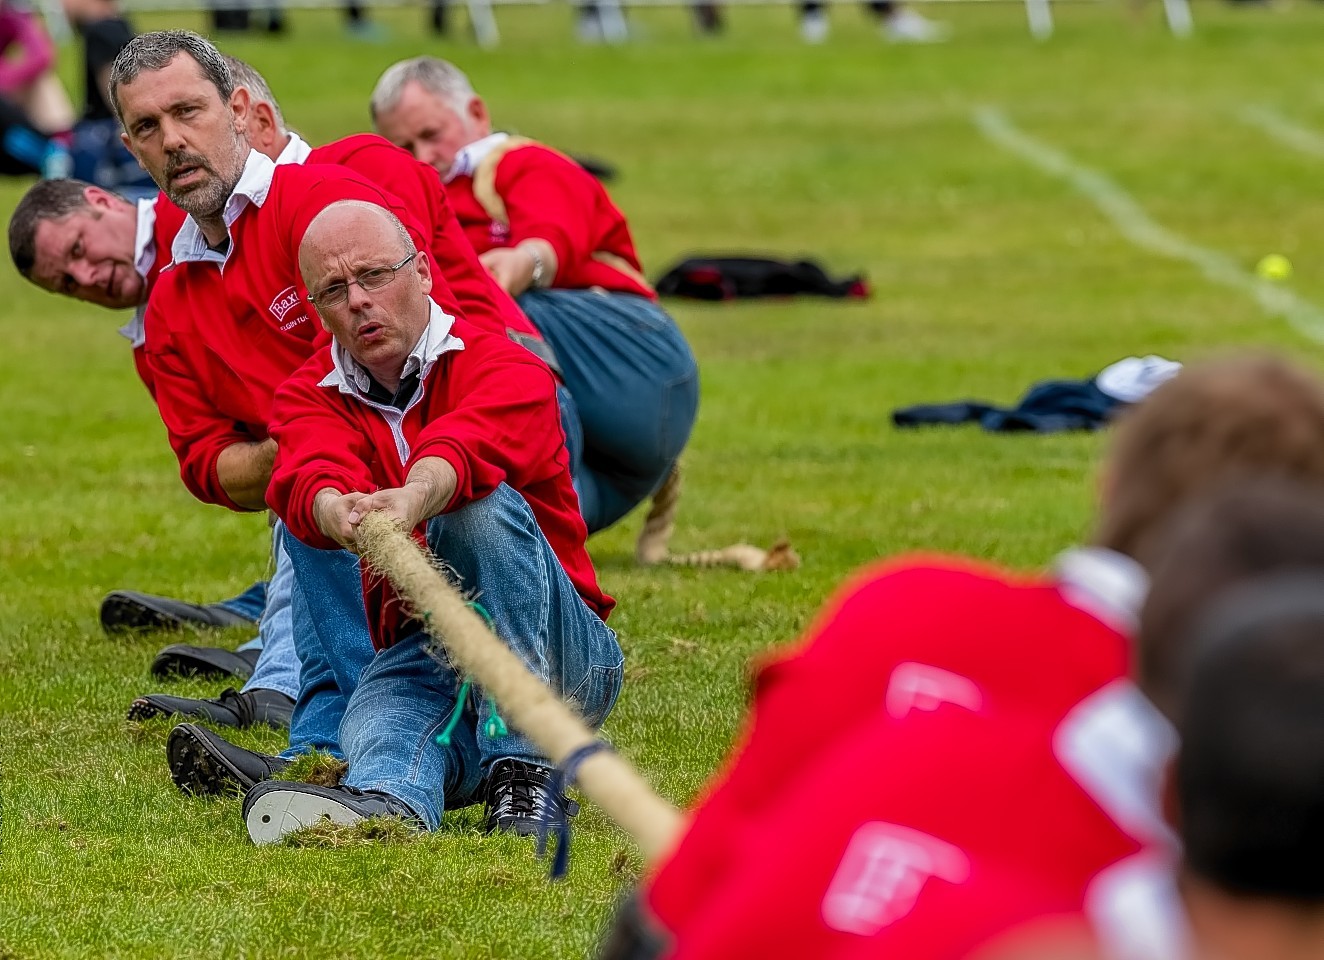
x: 595, y: 697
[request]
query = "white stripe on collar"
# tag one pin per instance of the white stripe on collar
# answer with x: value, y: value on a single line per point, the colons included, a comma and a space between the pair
x: 469, y: 157
x: 144, y: 255
x: 296, y: 151
x: 1107, y: 585
x: 351, y: 378
x: 254, y: 184
x: 1116, y: 745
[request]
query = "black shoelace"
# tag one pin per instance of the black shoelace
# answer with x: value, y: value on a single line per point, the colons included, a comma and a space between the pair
x: 240, y: 703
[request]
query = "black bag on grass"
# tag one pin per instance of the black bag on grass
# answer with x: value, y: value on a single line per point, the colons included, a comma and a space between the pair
x: 729, y: 278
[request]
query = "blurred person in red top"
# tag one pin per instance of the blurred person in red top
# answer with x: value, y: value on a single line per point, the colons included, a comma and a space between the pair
x: 454, y: 433
x: 550, y: 234
x: 977, y: 756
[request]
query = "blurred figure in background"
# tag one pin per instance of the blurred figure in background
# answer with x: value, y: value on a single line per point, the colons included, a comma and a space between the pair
x: 98, y: 155
x: 35, y: 113
x: 899, y: 23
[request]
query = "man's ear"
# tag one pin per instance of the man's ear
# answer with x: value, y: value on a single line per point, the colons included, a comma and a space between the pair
x: 98, y: 198
x: 478, y: 115
x: 424, y: 266
x: 241, y: 104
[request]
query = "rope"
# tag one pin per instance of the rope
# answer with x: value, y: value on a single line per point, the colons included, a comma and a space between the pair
x: 605, y: 777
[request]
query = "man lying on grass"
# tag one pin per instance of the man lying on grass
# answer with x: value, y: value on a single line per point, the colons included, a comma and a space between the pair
x: 455, y: 433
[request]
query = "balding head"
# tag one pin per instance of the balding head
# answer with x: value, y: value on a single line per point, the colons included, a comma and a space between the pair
x: 378, y: 314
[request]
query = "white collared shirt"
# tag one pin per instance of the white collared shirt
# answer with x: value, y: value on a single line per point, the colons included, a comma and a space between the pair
x: 144, y: 255
x: 296, y: 151
x: 254, y: 184
x: 352, y: 379
x: 469, y: 157
x: 1108, y: 585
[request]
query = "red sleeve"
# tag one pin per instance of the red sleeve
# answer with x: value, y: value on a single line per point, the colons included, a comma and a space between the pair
x: 506, y: 426
x: 317, y: 445
x: 801, y: 707
x: 319, y: 186
x: 198, y: 432
x: 144, y: 370
x: 550, y: 197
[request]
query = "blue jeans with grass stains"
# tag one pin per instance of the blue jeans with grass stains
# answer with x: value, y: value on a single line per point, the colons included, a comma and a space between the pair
x: 396, y: 702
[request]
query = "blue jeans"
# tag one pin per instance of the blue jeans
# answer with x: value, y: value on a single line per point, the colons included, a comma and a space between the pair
x: 499, y: 555
x: 636, y: 387
x: 277, y: 665
x: 331, y: 641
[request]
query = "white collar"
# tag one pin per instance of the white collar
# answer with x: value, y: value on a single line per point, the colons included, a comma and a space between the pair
x: 144, y: 255
x: 296, y: 150
x: 351, y: 378
x: 253, y: 186
x: 1117, y: 746
x: 469, y: 157
x: 1108, y: 585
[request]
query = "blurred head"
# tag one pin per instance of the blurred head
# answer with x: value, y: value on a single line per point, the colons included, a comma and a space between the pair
x: 1239, y: 532
x: 347, y: 245
x: 428, y: 107
x: 183, y: 117
x: 1250, y: 415
x: 76, y: 239
x: 1250, y: 775
x: 265, y: 127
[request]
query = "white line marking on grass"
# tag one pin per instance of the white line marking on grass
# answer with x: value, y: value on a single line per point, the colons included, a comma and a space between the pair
x: 1289, y: 134
x: 1136, y: 225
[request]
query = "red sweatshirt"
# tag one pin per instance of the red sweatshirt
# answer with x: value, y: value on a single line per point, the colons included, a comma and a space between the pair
x: 168, y: 218
x: 522, y: 189
x: 918, y: 777
x: 488, y: 409
x: 419, y: 186
x: 219, y: 343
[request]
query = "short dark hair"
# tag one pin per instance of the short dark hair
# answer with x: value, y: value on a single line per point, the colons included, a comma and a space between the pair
x: 1235, y: 533
x: 46, y: 200
x: 1250, y: 775
x: 154, y: 51
x: 1255, y: 414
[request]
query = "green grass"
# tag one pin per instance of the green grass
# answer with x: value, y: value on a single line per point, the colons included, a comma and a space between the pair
x: 989, y: 276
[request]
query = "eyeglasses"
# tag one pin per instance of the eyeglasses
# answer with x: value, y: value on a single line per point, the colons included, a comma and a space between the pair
x: 373, y: 279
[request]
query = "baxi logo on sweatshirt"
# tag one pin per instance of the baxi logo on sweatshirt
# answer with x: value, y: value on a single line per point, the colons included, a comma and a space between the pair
x: 286, y: 301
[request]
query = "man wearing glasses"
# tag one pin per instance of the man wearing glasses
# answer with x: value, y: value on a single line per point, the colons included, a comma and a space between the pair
x: 455, y: 433
x: 227, y: 324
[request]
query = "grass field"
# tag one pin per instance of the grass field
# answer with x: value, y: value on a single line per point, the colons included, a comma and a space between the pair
x: 990, y: 273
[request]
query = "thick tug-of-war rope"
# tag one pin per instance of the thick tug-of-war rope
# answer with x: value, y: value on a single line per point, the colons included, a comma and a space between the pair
x: 652, y: 546
x: 526, y: 702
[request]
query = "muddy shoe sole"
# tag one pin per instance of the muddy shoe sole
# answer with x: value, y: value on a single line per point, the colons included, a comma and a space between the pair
x: 197, y: 769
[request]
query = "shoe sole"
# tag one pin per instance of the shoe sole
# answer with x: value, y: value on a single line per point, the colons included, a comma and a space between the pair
x: 143, y: 709
x: 276, y: 814
x: 121, y: 613
x: 199, y: 772
x: 167, y: 666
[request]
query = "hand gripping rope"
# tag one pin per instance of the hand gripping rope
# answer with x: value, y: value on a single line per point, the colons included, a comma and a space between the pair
x: 605, y: 778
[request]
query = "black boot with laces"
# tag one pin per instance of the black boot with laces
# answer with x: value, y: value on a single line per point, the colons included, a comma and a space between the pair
x: 518, y: 795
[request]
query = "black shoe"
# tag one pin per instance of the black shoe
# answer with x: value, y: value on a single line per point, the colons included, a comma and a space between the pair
x: 230, y: 709
x: 129, y: 610
x: 278, y: 807
x: 186, y: 660
x: 518, y: 794
x: 205, y: 764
